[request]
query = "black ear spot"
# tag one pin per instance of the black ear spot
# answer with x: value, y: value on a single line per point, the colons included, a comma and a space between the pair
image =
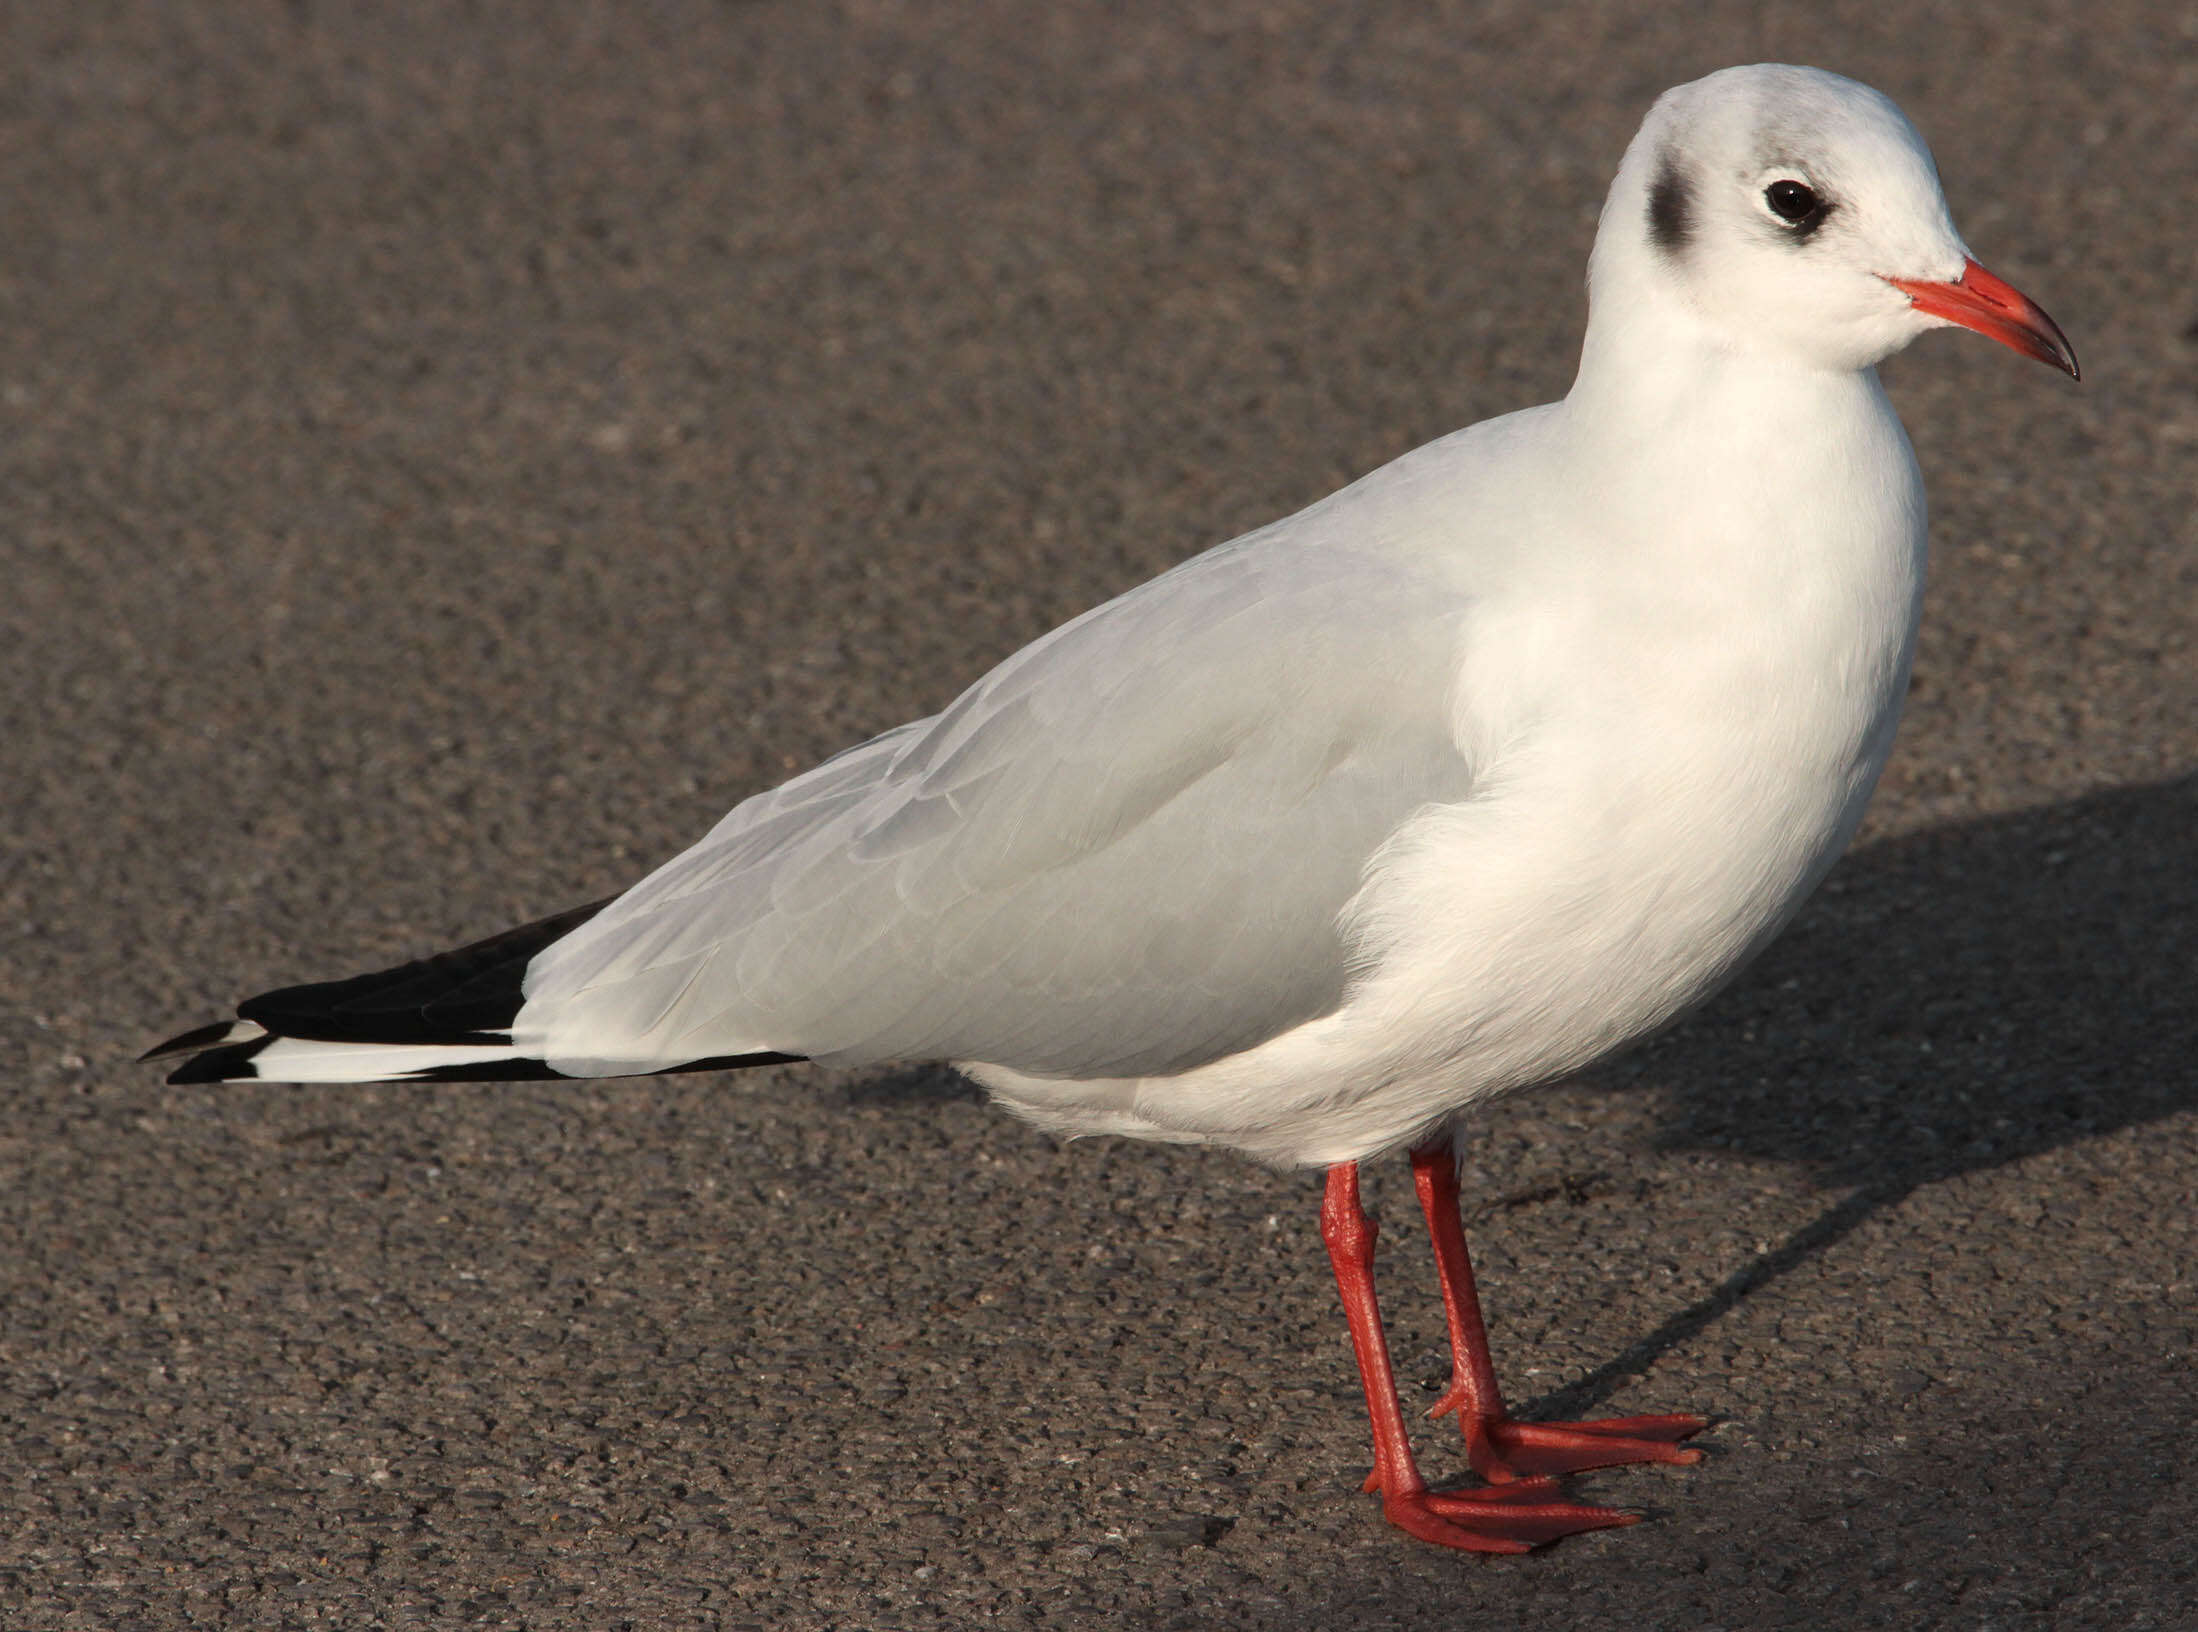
x: 1670, y: 209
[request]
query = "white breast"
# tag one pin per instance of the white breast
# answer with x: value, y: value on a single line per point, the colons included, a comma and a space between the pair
x: 1673, y: 734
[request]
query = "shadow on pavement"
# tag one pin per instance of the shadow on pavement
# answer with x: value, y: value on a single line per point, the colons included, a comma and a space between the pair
x: 2075, y: 1517
x: 1954, y: 1001
x: 1951, y: 1001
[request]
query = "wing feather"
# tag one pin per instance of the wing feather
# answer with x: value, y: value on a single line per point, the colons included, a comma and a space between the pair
x: 1123, y: 852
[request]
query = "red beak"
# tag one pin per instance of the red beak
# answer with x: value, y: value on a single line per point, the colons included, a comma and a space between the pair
x: 1977, y: 300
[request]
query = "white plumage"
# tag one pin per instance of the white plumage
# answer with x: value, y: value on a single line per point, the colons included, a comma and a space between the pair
x: 1471, y: 773
x: 1476, y: 770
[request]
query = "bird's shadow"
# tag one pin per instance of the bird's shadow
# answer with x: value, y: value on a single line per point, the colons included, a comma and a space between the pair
x: 909, y: 1085
x: 1952, y: 1001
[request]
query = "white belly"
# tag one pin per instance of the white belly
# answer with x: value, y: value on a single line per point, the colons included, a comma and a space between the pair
x: 1518, y: 937
x: 1671, y: 744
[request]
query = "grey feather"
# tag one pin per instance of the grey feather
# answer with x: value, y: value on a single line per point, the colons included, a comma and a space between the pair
x: 1121, y: 853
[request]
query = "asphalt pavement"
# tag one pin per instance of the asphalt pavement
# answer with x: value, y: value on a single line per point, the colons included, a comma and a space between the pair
x: 450, y: 454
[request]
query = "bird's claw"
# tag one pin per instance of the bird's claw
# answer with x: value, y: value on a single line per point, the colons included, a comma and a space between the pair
x: 1513, y: 1518
x: 1503, y: 1450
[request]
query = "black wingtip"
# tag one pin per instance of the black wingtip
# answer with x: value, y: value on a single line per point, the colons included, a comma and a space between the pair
x: 463, y: 997
x: 231, y: 1063
x: 467, y: 995
x: 733, y: 1062
x: 524, y: 1070
x: 190, y: 1042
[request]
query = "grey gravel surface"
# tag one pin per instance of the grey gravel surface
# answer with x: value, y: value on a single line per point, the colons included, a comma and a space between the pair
x: 448, y: 455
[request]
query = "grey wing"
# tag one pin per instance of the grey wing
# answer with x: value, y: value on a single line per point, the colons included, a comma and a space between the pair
x: 1121, y: 853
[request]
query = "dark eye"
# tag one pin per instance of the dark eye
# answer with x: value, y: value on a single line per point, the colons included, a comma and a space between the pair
x: 1792, y: 200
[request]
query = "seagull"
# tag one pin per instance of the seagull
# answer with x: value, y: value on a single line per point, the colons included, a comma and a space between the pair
x: 1471, y: 774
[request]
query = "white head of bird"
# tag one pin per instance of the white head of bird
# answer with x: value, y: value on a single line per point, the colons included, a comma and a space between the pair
x: 1789, y: 217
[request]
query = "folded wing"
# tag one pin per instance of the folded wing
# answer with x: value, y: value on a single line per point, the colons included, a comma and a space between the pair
x: 1122, y: 853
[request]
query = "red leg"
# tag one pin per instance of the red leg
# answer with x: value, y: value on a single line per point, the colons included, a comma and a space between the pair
x: 1500, y: 1448
x: 1510, y: 1520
